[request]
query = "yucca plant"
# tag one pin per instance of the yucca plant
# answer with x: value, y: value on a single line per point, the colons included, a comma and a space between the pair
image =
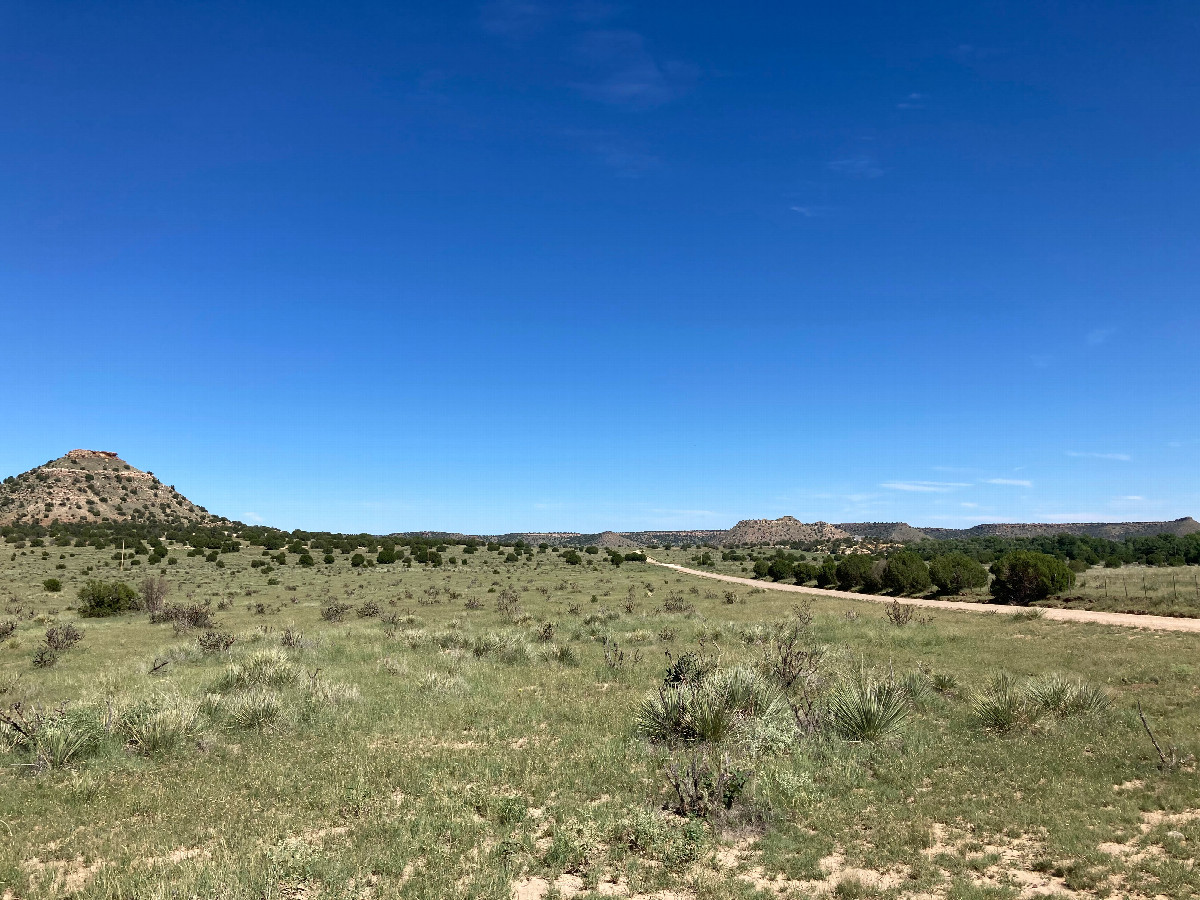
x: 1064, y: 697
x: 253, y: 709
x: 868, y: 710
x: 160, y: 725
x: 724, y: 704
x: 1004, y: 704
x: 65, y: 737
x: 918, y: 688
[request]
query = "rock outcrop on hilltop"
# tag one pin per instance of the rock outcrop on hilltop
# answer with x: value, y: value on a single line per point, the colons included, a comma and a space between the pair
x: 93, y: 486
x: 781, y: 531
x: 887, y: 532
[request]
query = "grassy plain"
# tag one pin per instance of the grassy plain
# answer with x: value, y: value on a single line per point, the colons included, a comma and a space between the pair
x: 454, y: 746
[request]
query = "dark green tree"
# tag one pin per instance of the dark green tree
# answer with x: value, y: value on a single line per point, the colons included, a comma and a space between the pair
x: 906, y: 573
x: 780, y: 568
x: 1023, y: 577
x: 854, y: 571
x: 956, y: 572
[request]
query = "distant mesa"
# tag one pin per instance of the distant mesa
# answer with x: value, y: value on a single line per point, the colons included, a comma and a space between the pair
x: 91, y: 454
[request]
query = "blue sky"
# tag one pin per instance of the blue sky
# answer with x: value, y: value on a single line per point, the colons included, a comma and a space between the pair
x: 581, y: 265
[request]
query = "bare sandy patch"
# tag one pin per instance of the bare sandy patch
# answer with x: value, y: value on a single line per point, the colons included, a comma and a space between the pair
x: 61, y: 876
x: 176, y: 856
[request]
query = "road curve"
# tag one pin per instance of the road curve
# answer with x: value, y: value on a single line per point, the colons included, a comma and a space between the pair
x: 1126, y: 620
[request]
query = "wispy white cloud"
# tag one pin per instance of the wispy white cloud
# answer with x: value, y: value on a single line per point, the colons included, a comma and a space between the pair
x: 1098, y: 336
x: 524, y: 19
x: 626, y: 73
x: 626, y: 158
x: 913, y: 101
x: 860, y: 166
x: 514, y: 18
x: 1119, y: 457
x: 252, y: 518
x: 1012, y: 482
x: 924, y: 487
x: 1130, y: 498
x: 969, y: 505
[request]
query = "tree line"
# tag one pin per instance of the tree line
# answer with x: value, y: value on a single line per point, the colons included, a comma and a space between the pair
x: 1020, y: 576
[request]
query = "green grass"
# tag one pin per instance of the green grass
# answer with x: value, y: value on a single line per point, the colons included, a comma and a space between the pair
x: 442, y: 750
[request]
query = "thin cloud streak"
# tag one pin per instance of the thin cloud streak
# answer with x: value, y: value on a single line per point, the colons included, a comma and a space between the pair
x: 1012, y: 482
x: 861, y: 166
x: 1119, y: 457
x: 924, y: 487
x: 627, y: 73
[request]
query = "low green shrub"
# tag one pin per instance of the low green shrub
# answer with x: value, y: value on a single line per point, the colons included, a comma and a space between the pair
x: 98, y: 598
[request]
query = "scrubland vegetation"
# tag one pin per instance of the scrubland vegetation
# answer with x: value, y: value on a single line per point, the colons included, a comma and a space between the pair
x: 1159, y: 575
x: 505, y: 720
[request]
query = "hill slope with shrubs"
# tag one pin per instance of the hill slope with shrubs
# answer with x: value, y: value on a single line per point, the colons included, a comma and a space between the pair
x: 93, y: 486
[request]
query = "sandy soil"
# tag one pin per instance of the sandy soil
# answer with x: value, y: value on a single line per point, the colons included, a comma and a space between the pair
x: 1127, y: 620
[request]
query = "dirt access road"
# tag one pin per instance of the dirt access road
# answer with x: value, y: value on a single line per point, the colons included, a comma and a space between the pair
x: 1126, y: 620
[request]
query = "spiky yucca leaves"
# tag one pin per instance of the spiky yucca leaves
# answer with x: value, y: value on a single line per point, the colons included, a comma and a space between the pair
x: 1065, y: 697
x: 1002, y: 705
x: 866, y: 709
x: 726, y: 704
x: 161, y: 724
x: 256, y: 708
x: 57, y: 738
x: 919, y: 688
x: 1006, y: 703
x: 268, y: 668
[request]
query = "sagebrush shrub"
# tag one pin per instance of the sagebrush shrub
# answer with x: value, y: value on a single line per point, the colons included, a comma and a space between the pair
x: 332, y: 611
x: 63, y: 637
x: 214, y: 641
x: 191, y: 615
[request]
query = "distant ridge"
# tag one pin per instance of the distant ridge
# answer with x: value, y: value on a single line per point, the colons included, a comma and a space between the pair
x: 787, y: 529
x: 1113, y: 531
